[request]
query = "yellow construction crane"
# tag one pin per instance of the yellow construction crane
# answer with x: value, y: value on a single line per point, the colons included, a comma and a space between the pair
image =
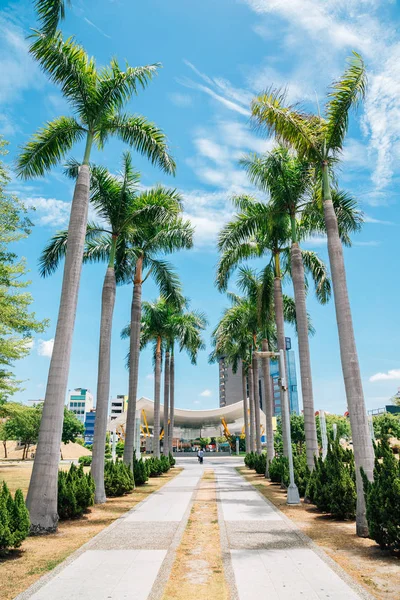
x: 227, y: 433
x: 145, y: 422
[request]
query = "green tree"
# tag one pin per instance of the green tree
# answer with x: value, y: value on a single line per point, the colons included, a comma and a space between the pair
x: 50, y: 13
x: 72, y: 427
x: 125, y: 214
x: 386, y: 425
x: 17, y: 323
x: 97, y: 97
x: 320, y: 139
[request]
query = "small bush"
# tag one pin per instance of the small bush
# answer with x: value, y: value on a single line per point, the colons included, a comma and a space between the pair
x: 165, y: 464
x: 172, y: 460
x: 154, y: 466
x: 260, y: 464
x: 119, y: 448
x: 85, y: 461
x: 14, y: 519
x: 118, y: 479
x: 383, y: 498
x: 331, y: 486
x: 75, y: 492
x: 140, y: 471
x: 250, y: 460
x: 279, y: 470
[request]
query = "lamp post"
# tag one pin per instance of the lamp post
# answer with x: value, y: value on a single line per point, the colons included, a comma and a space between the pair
x: 293, y: 496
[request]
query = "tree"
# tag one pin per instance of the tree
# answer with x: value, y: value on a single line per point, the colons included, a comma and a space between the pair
x: 386, y: 425
x: 320, y: 141
x: 97, y: 98
x: 153, y: 240
x: 50, y: 12
x: 72, y: 427
x: 17, y: 323
x: 124, y: 214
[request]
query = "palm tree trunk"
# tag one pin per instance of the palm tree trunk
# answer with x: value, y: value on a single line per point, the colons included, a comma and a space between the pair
x: 157, y: 386
x: 362, y: 443
x: 103, y: 380
x: 251, y: 406
x: 280, y: 330
x: 42, y: 495
x: 257, y: 420
x: 245, y: 410
x: 166, y: 403
x: 298, y: 279
x: 171, y: 399
x: 5, y: 448
x: 134, y: 355
x: 269, y: 406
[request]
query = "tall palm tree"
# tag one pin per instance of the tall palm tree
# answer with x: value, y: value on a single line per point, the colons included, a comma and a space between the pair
x: 257, y: 230
x: 156, y: 239
x: 320, y: 140
x: 185, y: 329
x: 124, y: 211
x: 96, y: 98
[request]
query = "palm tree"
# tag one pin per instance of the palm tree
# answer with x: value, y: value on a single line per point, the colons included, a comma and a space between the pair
x: 255, y: 231
x: 155, y: 239
x: 320, y: 141
x: 97, y: 98
x: 185, y: 329
x: 50, y: 12
x: 123, y: 211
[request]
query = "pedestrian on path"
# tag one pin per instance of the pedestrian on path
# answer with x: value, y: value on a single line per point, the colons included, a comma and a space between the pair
x: 200, y: 455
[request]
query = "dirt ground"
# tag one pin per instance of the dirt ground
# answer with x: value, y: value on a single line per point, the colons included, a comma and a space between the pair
x: 377, y: 571
x: 197, y: 572
x: 22, y: 567
x: 71, y: 451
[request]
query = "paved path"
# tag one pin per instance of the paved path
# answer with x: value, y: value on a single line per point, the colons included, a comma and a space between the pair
x: 268, y: 557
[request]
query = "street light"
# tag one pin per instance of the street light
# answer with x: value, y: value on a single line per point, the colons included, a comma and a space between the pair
x: 293, y: 493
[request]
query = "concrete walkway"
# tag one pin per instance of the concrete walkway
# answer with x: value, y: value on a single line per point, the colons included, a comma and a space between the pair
x: 266, y: 557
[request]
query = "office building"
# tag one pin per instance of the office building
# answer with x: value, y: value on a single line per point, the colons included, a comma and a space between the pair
x: 118, y: 406
x: 80, y: 402
x: 230, y: 384
x: 89, y: 426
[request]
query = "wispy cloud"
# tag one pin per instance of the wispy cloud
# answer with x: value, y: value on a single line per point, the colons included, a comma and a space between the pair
x: 182, y: 100
x: 45, y: 347
x: 96, y: 27
x: 206, y: 393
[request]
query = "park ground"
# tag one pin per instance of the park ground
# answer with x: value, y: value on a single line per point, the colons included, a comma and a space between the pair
x: 196, y: 573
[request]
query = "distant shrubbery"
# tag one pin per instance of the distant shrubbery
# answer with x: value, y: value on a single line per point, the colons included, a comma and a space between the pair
x: 279, y: 468
x: 140, y: 470
x: 118, y: 479
x: 85, y: 461
x: 157, y: 466
x: 75, y: 492
x: 383, y: 498
x: 14, y: 519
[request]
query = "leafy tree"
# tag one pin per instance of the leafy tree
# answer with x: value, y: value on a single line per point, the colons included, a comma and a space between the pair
x: 386, y: 425
x: 319, y: 140
x: 97, y: 97
x: 17, y: 323
x: 72, y: 427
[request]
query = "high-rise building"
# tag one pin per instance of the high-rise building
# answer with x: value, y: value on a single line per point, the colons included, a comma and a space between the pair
x: 118, y: 406
x: 230, y: 384
x: 80, y: 402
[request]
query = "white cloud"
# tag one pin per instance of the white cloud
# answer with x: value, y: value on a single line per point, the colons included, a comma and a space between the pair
x: 183, y: 100
x: 369, y: 219
x: 367, y: 243
x: 206, y: 393
x: 391, y: 375
x: 96, y: 27
x: 150, y: 376
x: 50, y: 211
x: 45, y: 347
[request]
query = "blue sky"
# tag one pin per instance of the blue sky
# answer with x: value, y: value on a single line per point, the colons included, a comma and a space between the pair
x: 216, y: 56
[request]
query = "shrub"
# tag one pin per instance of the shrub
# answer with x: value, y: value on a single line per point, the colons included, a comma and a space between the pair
x: 331, y: 486
x: 140, y: 471
x: 301, y: 470
x: 85, y: 461
x: 250, y: 460
x: 14, y: 519
x: 118, y: 479
x: 154, y: 466
x: 172, y: 460
x: 119, y: 448
x: 383, y: 498
x: 260, y: 464
x: 279, y: 470
x: 75, y: 492
x: 165, y: 464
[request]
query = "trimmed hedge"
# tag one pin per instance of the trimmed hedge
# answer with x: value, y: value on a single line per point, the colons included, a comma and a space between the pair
x: 383, y: 498
x: 14, y: 519
x: 118, y: 479
x: 75, y: 492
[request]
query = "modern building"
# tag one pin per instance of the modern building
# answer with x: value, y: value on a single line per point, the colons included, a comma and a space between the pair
x: 230, y: 384
x: 118, y: 406
x: 80, y: 402
x: 89, y: 426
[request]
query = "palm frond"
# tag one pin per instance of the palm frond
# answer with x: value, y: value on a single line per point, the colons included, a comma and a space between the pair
x: 288, y: 124
x: 316, y: 267
x: 53, y: 253
x: 167, y: 281
x: 142, y: 135
x: 48, y: 146
x: 346, y: 93
x: 50, y: 13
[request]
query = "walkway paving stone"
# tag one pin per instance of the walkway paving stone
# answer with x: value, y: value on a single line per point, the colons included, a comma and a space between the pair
x: 268, y: 558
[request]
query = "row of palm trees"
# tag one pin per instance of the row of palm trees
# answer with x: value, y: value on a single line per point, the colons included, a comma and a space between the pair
x: 97, y: 97
x: 303, y: 199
